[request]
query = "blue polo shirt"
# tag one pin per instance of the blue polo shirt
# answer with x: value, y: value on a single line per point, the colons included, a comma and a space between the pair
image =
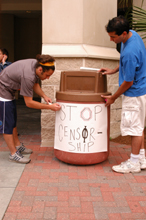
x: 133, y: 65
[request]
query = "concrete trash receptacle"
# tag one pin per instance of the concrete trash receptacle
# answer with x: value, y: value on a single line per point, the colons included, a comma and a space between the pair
x: 82, y: 125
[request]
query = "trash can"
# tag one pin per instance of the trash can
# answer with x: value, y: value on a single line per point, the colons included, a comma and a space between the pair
x: 82, y: 126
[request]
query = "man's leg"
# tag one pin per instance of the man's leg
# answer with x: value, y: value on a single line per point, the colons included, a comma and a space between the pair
x: 15, y: 136
x: 20, y: 146
x: 8, y: 118
x: 136, y: 143
x: 15, y: 156
x: 133, y: 164
x: 142, y: 158
x: 10, y: 142
x: 142, y: 145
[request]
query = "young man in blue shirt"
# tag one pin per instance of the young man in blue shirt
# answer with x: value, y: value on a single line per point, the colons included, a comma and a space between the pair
x: 132, y: 84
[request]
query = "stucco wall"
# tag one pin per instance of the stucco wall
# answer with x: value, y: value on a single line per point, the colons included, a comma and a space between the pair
x: 77, y: 21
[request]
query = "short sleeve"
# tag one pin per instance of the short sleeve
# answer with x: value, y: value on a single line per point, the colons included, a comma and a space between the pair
x: 129, y: 65
x: 26, y: 88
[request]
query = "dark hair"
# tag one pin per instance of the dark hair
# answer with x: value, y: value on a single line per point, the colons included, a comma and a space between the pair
x: 118, y: 24
x: 44, y: 59
x: 4, y: 51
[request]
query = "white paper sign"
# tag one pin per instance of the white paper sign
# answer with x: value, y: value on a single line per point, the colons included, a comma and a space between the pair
x: 81, y: 128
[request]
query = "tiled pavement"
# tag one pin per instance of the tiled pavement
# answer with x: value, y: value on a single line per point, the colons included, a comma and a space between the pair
x: 50, y: 189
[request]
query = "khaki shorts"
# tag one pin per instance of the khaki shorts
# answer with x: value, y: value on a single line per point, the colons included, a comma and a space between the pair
x: 133, y: 115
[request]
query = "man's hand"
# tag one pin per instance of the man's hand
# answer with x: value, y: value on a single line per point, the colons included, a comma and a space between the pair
x: 109, y: 71
x: 106, y: 71
x: 55, y: 107
x: 109, y: 100
x: 47, y: 99
x: 4, y: 58
x: 30, y: 103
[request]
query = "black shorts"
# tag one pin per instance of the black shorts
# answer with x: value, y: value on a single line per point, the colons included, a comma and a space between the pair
x: 8, y: 117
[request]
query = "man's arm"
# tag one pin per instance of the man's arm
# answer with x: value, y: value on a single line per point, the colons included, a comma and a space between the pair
x: 124, y: 86
x: 37, y: 105
x: 37, y: 89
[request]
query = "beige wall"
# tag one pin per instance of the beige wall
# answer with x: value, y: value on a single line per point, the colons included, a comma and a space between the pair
x: 95, y: 16
x: 74, y: 32
x: 76, y: 28
x: 139, y: 2
x: 77, y: 21
x: 62, y: 21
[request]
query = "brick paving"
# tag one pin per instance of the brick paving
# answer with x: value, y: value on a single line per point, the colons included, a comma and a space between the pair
x: 50, y: 189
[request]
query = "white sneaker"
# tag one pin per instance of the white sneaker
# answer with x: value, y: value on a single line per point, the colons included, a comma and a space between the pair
x: 18, y: 158
x: 142, y: 162
x: 127, y: 167
x: 23, y: 150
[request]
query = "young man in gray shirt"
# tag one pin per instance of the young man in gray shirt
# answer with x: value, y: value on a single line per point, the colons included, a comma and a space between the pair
x: 23, y: 75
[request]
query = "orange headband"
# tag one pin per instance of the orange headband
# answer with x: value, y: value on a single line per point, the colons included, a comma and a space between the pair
x: 47, y: 64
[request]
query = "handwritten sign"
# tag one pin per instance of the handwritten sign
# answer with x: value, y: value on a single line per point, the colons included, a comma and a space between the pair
x: 81, y: 128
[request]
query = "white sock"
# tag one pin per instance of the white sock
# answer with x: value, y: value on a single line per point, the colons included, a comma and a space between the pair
x: 13, y: 154
x: 134, y: 158
x: 18, y: 146
x: 142, y: 153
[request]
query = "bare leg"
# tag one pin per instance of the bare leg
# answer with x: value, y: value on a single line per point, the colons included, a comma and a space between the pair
x: 10, y: 142
x: 142, y: 153
x: 142, y: 145
x: 17, y: 143
x: 15, y: 136
x: 136, y: 143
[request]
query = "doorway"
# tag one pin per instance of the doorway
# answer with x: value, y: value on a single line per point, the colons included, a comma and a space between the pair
x: 21, y: 28
x: 27, y: 36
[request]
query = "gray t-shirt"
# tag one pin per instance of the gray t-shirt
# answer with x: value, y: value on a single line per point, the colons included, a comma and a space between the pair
x: 19, y: 75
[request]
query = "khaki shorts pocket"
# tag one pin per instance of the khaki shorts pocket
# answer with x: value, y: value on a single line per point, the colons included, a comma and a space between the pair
x: 130, y: 117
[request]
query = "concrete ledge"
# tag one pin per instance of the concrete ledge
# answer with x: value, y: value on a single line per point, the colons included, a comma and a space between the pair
x: 80, y: 50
